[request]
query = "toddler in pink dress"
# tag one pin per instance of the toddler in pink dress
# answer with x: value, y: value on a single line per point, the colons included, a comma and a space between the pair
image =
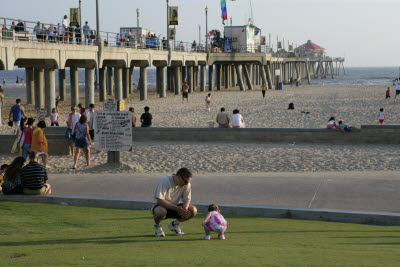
x: 214, y: 222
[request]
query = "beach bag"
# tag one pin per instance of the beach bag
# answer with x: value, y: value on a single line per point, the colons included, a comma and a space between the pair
x: 15, y: 147
x: 68, y: 133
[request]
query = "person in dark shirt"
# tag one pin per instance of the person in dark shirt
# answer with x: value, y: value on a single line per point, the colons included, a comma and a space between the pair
x: 34, y: 177
x: 20, y: 26
x: 146, y: 117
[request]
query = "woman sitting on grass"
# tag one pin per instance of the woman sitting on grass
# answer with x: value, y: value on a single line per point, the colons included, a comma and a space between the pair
x: 12, y: 180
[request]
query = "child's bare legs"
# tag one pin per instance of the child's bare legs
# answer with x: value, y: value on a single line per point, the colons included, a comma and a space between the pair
x: 207, y: 236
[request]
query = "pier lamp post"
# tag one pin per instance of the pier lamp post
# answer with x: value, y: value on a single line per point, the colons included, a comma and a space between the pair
x: 137, y: 13
x: 98, y: 36
x: 207, y: 29
x: 167, y: 24
x: 80, y: 14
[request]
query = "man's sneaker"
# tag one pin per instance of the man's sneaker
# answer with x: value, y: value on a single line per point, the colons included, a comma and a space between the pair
x: 159, y: 231
x: 221, y: 237
x: 176, y: 228
x: 206, y: 237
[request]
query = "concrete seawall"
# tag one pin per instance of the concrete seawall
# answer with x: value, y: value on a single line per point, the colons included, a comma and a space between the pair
x: 368, y: 134
x: 374, y: 218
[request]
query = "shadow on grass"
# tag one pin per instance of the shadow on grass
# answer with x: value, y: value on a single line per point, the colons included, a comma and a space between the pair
x: 309, y: 231
x: 128, y: 219
x: 101, y: 240
x: 372, y: 244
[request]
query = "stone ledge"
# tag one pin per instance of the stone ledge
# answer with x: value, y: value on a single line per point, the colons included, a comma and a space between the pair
x: 359, y: 217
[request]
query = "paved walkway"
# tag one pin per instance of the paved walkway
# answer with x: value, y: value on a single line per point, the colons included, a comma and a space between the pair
x: 369, y: 191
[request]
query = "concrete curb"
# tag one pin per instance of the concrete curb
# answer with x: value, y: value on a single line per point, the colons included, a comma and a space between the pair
x: 360, y: 217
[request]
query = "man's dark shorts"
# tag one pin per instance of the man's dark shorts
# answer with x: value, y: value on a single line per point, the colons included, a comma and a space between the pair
x: 170, y: 213
x: 397, y: 92
x: 387, y: 96
x: 185, y: 95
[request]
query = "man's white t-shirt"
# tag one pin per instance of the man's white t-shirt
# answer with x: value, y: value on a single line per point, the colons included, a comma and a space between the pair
x: 397, y: 86
x: 75, y: 118
x: 168, y: 191
x: 237, y: 120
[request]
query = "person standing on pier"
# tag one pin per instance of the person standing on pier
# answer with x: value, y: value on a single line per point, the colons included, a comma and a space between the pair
x: 86, y: 32
x: 185, y: 92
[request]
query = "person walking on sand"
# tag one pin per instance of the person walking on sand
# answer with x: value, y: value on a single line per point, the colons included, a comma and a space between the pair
x: 90, y: 120
x: 2, y: 97
x: 185, y: 92
x: 387, y: 94
x: 381, y: 117
x: 39, y: 142
x: 73, y: 118
x: 54, y: 117
x: 4, y: 81
x: 26, y: 146
x: 263, y: 89
x: 82, y: 140
x: 131, y: 109
x: 208, y: 101
x: 172, y: 200
x: 17, y: 112
x: 397, y: 90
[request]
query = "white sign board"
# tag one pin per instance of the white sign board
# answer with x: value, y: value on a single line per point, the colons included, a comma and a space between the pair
x: 277, y: 72
x: 113, y: 130
x: 41, y: 114
x: 110, y: 105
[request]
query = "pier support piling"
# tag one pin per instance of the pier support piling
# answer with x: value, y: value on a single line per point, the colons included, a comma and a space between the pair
x: 30, y: 86
x: 178, y: 80
x: 50, y: 90
x: 247, y: 77
x: 62, y: 88
x: 239, y: 77
x: 118, y: 83
x: 125, y: 83
x: 73, y: 71
x: 89, y: 86
x: 202, y: 78
x: 102, y: 83
x: 143, y: 83
x: 39, y: 94
x: 210, y: 78
x: 110, y: 81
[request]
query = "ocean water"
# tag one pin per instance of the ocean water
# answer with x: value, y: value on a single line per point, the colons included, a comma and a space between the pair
x: 353, y: 76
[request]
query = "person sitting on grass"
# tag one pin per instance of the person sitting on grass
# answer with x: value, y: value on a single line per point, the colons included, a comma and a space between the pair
x: 214, y: 222
x: 34, y: 177
x: 12, y: 178
x: 173, y: 196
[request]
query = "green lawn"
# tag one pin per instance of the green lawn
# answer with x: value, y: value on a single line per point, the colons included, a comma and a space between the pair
x: 38, y: 235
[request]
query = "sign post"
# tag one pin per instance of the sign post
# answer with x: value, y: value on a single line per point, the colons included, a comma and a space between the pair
x: 113, y: 131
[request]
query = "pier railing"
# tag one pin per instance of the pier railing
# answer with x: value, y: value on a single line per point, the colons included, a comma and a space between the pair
x: 55, y: 33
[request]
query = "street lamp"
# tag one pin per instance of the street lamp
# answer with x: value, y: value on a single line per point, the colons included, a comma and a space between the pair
x: 98, y: 37
x: 167, y: 24
x: 137, y: 12
x: 207, y: 29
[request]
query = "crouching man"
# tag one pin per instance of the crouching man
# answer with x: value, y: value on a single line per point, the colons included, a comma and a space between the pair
x: 172, y: 197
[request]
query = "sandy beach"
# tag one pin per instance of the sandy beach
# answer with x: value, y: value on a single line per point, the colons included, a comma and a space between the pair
x: 356, y: 105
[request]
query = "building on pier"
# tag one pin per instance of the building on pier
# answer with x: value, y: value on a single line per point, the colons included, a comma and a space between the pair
x: 310, y: 50
x: 243, y: 38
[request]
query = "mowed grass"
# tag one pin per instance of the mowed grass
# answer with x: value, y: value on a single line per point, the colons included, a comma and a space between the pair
x: 53, y: 235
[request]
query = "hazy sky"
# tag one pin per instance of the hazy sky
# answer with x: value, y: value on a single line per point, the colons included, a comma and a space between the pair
x: 364, y: 31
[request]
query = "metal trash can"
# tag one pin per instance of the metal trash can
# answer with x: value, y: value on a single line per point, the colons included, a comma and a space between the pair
x: 280, y: 86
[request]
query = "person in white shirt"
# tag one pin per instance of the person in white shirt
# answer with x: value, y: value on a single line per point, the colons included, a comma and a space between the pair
x: 172, y: 200
x: 397, y: 83
x: 60, y: 32
x: 73, y: 118
x: 65, y: 22
x: 90, y: 118
x: 237, y: 119
x: 50, y: 33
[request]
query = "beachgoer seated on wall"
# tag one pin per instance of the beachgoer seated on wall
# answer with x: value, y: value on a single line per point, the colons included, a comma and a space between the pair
x: 344, y: 127
x: 331, y: 123
x: 237, y: 120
